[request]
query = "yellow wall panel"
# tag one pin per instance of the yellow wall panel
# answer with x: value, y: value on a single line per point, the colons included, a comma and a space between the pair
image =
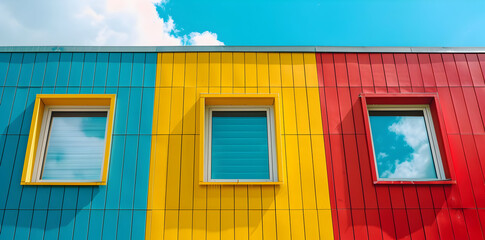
x: 274, y: 69
x: 251, y: 90
x: 185, y: 224
x: 203, y: 69
x: 286, y: 70
x: 155, y: 223
x: 226, y: 74
x: 241, y: 224
x: 289, y: 115
x: 321, y: 180
x: 303, y: 125
x: 187, y: 172
x: 239, y: 74
x: 262, y: 69
x: 227, y: 224
x: 241, y: 197
x: 213, y: 197
x: 158, y: 170
x: 297, y: 224
x: 298, y: 69
x: 250, y: 69
x: 311, y: 224
x: 281, y: 191
x: 283, y: 224
x: 163, y: 110
x: 215, y: 71
x: 269, y: 224
x: 293, y: 168
x: 307, y: 176
x: 166, y: 70
x: 178, y: 70
x: 191, y: 69
x: 200, y: 191
x: 255, y: 225
x: 227, y: 197
x: 314, y: 111
x: 176, y: 110
x: 213, y: 224
x: 171, y: 224
x: 173, y: 171
x: 254, y: 194
x: 310, y: 70
x: 268, y: 197
x: 190, y: 100
x: 181, y: 208
x: 199, y: 224
x: 325, y: 224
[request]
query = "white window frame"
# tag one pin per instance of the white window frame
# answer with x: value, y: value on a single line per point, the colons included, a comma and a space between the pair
x: 44, y: 133
x: 272, y: 161
x: 433, y: 141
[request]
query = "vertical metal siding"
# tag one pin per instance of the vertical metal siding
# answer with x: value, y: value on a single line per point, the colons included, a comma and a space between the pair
x: 117, y: 210
x: 362, y: 210
x: 181, y: 208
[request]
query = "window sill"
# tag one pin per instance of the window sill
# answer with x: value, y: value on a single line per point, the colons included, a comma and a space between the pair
x: 240, y: 183
x: 436, y: 182
x: 64, y: 183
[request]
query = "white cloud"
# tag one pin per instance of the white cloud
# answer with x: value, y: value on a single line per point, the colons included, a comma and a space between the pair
x: 92, y: 22
x: 382, y: 155
x: 419, y: 163
x: 204, y: 39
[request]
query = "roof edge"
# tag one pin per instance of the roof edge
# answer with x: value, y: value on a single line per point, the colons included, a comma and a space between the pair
x: 242, y: 49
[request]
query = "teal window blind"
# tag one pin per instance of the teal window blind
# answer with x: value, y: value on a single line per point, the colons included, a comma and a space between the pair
x: 239, y: 145
x: 75, y: 146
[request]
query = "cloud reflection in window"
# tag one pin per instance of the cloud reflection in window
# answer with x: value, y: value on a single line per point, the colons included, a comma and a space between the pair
x: 402, y: 147
x: 75, y: 149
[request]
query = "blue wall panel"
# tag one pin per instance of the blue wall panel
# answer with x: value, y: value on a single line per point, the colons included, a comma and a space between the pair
x: 51, y: 70
x: 39, y: 70
x: 114, y: 211
x: 14, y: 69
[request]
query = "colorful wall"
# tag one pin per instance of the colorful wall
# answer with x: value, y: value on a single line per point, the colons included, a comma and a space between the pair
x: 362, y: 210
x: 114, y: 211
x: 179, y: 207
x: 328, y: 192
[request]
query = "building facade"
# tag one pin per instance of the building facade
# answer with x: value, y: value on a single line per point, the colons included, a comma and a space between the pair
x: 327, y: 177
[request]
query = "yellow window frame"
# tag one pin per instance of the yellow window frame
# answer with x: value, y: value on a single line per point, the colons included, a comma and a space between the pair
x: 44, y: 100
x: 240, y: 100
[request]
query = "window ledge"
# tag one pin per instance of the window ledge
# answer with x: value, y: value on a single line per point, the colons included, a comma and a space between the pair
x: 63, y: 183
x: 436, y: 182
x: 240, y: 183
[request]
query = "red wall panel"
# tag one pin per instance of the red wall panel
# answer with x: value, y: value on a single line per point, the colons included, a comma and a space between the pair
x: 363, y: 210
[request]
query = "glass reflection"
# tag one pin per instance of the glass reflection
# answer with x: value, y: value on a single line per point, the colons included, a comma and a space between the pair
x: 401, y: 145
x: 75, y: 148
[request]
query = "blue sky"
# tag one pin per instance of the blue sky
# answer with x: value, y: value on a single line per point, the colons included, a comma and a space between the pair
x: 431, y: 23
x: 334, y: 23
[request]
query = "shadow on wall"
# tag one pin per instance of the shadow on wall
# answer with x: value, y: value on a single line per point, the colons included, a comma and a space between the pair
x: 402, y: 210
x: 32, y: 207
x: 209, y: 209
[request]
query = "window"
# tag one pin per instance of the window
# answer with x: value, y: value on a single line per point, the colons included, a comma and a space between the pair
x: 72, y: 144
x: 404, y: 142
x: 239, y: 139
x: 407, y: 139
x: 69, y: 140
x: 240, y: 144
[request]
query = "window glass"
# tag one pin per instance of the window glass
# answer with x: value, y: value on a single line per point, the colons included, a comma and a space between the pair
x: 239, y: 145
x: 75, y: 146
x: 402, y: 147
